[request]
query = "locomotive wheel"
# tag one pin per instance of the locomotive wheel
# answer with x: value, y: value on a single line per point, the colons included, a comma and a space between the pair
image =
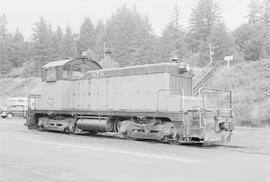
x: 117, y: 126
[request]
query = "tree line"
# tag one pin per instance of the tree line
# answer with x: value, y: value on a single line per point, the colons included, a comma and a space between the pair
x: 129, y: 36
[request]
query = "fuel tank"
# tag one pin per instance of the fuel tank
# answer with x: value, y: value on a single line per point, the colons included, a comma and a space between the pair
x: 95, y: 124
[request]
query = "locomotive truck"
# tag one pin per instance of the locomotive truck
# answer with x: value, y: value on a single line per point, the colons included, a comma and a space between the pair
x: 151, y: 102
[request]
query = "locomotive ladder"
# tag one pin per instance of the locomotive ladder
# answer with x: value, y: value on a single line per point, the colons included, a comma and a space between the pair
x: 201, y: 78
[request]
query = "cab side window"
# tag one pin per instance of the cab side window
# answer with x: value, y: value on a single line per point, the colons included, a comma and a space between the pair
x: 50, y: 74
x: 77, y: 72
x: 66, y: 72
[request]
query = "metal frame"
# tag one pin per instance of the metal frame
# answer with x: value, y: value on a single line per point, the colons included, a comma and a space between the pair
x: 173, y: 116
x: 217, y: 91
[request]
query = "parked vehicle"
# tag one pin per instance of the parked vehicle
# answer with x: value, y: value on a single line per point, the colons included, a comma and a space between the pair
x: 15, y: 107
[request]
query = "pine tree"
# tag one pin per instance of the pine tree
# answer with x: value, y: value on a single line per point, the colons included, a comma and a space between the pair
x: 206, y: 24
x: 69, y: 48
x: 254, y: 15
x: 202, y: 20
x: 3, y: 27
x: 19, y: 51
x: 172, y: 40
x: 129, y: 36
x: 57, y: 44
x: 100, y: 41
x: 176, y: 16
x: 87, y: 37
x: 266, y: 12
x: 221, y: 41
x: 41, y: 44
x: 5, y: 39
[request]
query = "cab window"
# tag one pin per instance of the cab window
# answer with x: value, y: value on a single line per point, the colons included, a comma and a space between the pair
x: 51, y: 74
x: 66, y: 72
x: 77, y: 72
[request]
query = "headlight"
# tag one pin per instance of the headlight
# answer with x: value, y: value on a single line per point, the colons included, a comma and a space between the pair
x: 183, y: 68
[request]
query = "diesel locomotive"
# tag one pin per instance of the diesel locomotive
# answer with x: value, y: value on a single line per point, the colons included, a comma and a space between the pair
x: 151, y: 102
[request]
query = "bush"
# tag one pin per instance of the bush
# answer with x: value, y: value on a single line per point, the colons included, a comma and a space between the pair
x: 249, y: 82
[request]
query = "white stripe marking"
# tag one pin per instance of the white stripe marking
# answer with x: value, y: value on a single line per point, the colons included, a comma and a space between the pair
x: 137, y: 154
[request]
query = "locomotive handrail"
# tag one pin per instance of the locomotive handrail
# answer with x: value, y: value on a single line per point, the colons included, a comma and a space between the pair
x: 201, y: 94
x: 167, y: 90
x: 200, y: 114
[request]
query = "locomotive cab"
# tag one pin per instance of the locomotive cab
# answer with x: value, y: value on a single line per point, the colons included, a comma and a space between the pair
x: 71, y: 69
x: 58, y: 79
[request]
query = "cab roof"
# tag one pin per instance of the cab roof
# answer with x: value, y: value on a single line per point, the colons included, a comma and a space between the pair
x: 57, y: 63
x: 67, y: 61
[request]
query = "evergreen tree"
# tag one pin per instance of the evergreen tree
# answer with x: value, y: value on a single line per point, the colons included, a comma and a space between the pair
x: 19, y: 51
x: 254, y: 14
x: 129, y: 36
x: 100, y: 42
x: 5, y: 39
x: 221, y: 41
x: 176, y: 16
x: 203, y: 18
x: 172, y: 39
x: 266, y: 12
x: 87, y: 38
x: 207, y: 27
x: 253, y: 39
x: 69, y: 48
x: 51, y: 48
x: 41, y: 44
x: 3, y: 27
x: 57, y: 44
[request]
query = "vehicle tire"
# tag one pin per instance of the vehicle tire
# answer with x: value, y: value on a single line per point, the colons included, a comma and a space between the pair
x: 9, y: 115
x: 67, y: 131
x: 4, y: 116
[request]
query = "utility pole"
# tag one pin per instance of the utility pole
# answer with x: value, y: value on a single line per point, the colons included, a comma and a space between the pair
x: 104, y: 49
x: 210, y: 52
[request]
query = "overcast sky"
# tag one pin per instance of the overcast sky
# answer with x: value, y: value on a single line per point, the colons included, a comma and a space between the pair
x: 23, y: 14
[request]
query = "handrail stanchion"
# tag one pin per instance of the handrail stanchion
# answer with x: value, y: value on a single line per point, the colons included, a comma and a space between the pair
x: 201, y: 94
